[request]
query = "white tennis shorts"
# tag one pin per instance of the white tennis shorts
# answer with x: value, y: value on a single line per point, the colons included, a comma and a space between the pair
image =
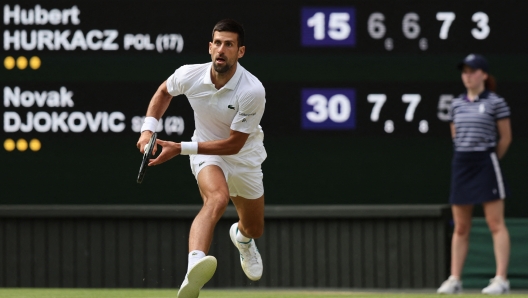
x: 243, y: 180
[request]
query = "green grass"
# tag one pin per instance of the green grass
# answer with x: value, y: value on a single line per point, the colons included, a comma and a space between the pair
x: 136, y: 293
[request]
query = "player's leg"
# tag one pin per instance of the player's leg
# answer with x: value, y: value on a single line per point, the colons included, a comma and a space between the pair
x: 213, y: 188
x: 215, y: 195
x: 247, y: 193
x: 494, y: 212
x: 246, y: 189
x: 244, y: 232
x: 251, y: 216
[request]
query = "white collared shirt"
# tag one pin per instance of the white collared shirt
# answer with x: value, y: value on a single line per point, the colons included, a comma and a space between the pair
x: 238, y: 105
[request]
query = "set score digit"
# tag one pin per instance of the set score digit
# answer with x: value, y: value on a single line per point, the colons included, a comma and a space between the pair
x: 335, y: 109
x: 336, y: 26
x: 411, y: 28
x: 413, y: 100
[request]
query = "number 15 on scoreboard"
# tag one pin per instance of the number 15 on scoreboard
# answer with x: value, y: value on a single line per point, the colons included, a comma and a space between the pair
x: 328, y: 26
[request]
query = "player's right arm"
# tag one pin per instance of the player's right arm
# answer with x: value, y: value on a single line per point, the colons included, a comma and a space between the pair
x: 158, y: 105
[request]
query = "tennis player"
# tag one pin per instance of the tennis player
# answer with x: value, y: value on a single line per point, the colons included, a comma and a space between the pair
x: 226, y: 151
x: 481, y: 132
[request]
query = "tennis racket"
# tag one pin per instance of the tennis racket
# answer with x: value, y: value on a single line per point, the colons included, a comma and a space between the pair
x: 146, y: 157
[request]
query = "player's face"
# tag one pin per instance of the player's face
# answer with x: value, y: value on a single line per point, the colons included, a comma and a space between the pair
x: 225, y: 51
x: 473, y: 78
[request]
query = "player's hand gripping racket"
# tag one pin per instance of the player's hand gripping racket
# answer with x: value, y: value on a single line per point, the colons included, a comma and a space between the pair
x: 146, y: 157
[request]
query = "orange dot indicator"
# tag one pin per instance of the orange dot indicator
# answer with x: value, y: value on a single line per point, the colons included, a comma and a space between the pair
x: 9, y: 145
x: 35, y: 145
x: 21, y: 145
x: 35, y: 62
x: 9, y: 62
x: 22, y: 62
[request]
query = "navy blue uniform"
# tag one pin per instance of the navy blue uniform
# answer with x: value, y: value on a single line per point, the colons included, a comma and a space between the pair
x: 476, y: 176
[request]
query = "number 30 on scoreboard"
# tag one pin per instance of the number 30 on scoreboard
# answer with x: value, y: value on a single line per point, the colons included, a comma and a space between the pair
x: 328, y: 109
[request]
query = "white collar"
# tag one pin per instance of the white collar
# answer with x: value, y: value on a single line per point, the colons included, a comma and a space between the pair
x: 231, y: 84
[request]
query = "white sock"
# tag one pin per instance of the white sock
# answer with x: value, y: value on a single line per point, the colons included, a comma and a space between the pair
x: 454, y: 277
x: 501, y: 278
x: 194, y: 256
x: 241, y: 238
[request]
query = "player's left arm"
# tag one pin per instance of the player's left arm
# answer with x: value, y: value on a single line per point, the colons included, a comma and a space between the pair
x: 229, y: 146
x: 247, y: 119
x: 505, y: 136
x: 232, y: 145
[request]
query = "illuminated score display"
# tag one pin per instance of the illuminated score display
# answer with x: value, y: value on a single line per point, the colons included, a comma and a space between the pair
x: 324, y: 30
x: 382, y: 28
x: 393, y: 29
x: 335, y: 26
x: 410, y: 27
x: 79, y: 75
x: 335, y: 109
x: 391, y: 26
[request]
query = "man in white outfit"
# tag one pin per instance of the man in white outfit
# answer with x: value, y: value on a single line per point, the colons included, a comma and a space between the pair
x: 226, y: 151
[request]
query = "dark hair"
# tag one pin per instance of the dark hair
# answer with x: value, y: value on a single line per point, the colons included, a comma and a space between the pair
x: 231, y: 25
x: 490, y: 83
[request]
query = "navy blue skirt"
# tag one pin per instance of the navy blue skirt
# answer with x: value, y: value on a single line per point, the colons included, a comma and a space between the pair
x: 476, y: 178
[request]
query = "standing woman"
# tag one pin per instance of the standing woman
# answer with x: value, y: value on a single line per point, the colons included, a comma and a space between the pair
x: 481, y: 133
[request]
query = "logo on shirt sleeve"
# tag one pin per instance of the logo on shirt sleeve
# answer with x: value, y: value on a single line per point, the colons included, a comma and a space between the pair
x: 231, y: 107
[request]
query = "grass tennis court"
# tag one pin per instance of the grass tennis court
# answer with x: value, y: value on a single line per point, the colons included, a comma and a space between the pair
x: 137, y: 293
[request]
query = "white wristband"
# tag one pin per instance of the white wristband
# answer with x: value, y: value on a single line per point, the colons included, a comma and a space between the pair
x: 150, y: 123
x: 188, y: 148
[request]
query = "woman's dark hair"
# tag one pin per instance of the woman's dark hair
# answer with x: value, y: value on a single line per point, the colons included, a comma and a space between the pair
x: 231, y: 25
x: 490, y: 83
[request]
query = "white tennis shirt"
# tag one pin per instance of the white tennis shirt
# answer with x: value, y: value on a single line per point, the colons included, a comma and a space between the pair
x: 239, y: 105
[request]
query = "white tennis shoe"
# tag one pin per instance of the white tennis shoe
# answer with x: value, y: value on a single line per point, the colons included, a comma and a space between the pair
x: 451, y: 286
x: 249, y: 255
x: 497, y: 286
x: 197, y: 277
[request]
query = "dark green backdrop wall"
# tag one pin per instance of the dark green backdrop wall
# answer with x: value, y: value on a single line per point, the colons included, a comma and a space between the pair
x: 360, y: 165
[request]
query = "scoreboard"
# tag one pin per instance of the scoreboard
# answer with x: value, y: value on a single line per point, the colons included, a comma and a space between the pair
x: 357, y: 95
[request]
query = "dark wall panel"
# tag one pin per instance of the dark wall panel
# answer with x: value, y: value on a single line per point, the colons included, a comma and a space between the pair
x: 146, y: 247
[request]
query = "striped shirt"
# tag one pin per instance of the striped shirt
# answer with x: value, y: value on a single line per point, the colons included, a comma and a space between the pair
x: 475, y: 121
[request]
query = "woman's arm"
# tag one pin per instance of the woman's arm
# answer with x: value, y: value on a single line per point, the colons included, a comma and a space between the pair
x: 505, y: 136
